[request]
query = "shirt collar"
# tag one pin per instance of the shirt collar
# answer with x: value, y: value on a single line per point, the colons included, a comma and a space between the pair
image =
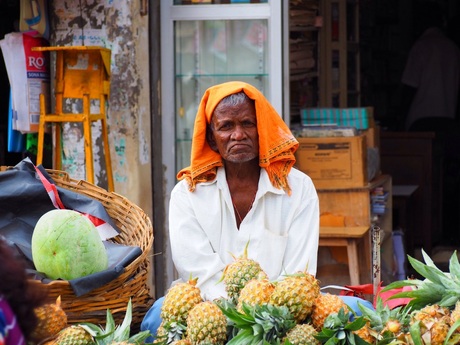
x: 264, y: 187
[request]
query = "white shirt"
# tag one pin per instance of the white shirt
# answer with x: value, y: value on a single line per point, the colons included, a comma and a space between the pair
x: 282, y: 230
x: 433, y: 67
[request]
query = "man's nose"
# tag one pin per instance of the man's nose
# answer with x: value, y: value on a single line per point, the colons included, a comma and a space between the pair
x: 238, y: 133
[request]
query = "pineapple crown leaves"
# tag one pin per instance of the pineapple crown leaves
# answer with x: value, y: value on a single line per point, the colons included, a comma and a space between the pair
x: 174, y: 331
x: 453, y: 337
x: 296, y: 274
x: 244, y: 255
x: 416, y: 333
x: 454, y: 267
x: 112, y: 332
x: 338, y: 329
x: 235, y: 318
x: 377, y: 317
x: 192, y: 280
x: 437, y: 288
x: 434, y: 274
x: 259, y: 324
x: 382, y: 314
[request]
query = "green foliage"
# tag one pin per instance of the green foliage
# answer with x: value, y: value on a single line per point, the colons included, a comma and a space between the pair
x: 438, y: 287
x: 382, y: 314
x: 453, y: 337
x: 338, y: 329
x: 260, y: 324
x: 174, y: 331
x: 113, y: 333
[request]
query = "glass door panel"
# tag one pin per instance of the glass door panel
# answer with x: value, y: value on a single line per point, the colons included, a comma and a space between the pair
x: 209, y: 52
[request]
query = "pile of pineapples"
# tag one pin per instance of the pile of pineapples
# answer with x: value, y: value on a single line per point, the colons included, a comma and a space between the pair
x: 294, y: 311
x: 289, y: 311
x: 53, y: 329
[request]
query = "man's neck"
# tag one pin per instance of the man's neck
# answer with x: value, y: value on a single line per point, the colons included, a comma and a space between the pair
x: 249, y: 171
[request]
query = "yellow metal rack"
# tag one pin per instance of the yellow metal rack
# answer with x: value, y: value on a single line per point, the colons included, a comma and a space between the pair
x: 82, y: 72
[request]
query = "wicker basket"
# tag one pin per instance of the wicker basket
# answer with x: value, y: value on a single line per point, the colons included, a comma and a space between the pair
x: 136, y: 230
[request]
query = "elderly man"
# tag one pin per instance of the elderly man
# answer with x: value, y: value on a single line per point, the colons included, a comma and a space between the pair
x: 240, y: 188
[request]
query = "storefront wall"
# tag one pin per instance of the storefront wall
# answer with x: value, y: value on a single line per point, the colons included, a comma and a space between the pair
x: 121, y: 27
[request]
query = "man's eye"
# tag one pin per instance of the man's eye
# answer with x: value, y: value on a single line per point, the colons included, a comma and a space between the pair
x: 249, y: 124
x: 225, y: 126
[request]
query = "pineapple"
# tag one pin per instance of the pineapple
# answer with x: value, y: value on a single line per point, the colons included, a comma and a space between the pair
x: 365, y: 333
x: 206, y: 324
x: 182, y: 342
x: 258, y: 324
x: 325, y: 305
x: 51, y: 320
x: 436, y: 291
x: 302, y: 334
x: 385, y: 323
x: 454, y: 331
x: 74, y: 335
x: 162, y: 335
x: 239, y: 272
x: 170, y: 332
x: 256, y: 291
x: 179, y: 300
x: 338, y: 329
x: 91, y: 334
x: 298, y: 293
x: 432, y: 312
x: 434, y: 323
x: 455, y: 314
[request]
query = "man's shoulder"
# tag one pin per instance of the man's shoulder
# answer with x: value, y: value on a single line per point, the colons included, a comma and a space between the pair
x: 299, y: 176
x: 183, y: 187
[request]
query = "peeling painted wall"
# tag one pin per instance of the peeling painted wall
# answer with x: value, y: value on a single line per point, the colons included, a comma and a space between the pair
x: 119, y: 26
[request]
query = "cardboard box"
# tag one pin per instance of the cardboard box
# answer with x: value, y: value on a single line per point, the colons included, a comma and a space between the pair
x: 372, y: 136
x: 334, y: 162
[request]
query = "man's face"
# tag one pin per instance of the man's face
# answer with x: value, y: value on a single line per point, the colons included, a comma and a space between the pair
x: 234, y: 132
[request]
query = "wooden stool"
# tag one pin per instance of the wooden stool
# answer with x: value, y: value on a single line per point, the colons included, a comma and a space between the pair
x: 82, y: 72
x: 349, y: 237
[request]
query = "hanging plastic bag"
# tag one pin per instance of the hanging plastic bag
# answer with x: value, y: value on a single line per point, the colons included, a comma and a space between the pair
x: 16, y: 140
x: 28, y: 74
x: 34, y: 18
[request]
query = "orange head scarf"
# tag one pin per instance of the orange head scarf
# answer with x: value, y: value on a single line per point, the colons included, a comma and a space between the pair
x: 276, y: 142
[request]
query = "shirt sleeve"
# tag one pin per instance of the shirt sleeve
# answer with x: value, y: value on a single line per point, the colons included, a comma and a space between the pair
x: 192, y: 252
x: 415, y: 65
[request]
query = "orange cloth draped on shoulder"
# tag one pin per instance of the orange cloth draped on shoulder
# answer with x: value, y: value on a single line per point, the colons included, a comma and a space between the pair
x: 276, y: 141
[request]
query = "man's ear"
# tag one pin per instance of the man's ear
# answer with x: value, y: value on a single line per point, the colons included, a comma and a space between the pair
x: 210, y: 138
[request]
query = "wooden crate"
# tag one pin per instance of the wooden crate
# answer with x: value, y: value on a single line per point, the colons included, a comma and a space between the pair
x: 352, y: 206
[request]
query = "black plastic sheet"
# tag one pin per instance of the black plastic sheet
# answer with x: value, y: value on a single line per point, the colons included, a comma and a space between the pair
x: 23, y: 200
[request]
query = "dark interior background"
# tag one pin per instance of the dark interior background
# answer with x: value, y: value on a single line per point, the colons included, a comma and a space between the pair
x: 387, y: 33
